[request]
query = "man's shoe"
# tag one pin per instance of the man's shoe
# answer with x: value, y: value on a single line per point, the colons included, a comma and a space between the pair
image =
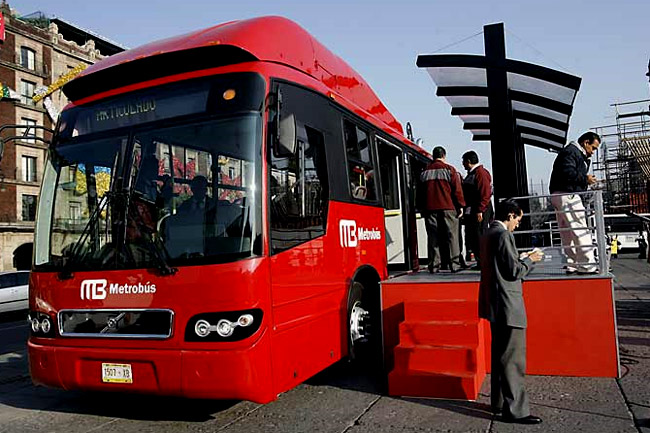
x: 530, y: 419
x: 571, y: 271
x: 475, y: 268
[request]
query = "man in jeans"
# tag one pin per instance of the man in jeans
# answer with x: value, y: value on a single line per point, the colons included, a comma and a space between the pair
x: 443, y: 206
x: 570, y: 176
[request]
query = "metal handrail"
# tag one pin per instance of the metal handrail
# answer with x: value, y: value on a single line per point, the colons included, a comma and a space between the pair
x: 595, y: 227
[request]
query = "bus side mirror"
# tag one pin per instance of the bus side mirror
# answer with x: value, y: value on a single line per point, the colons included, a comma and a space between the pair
x: 286, y: 136
x: 283, y: 128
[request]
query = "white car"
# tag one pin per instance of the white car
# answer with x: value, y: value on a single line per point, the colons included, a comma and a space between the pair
x: 14, y: 291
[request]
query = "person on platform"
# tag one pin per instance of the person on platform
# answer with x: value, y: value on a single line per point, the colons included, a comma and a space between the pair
x: 444, y: 203
x: 570, y: 176
x: 477, y: 189
x: 501, y: 302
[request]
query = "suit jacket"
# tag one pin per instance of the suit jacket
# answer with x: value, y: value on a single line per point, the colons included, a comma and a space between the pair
x: 501, y: 298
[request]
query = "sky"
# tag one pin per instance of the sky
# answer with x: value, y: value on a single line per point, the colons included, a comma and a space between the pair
x: 605, y: 42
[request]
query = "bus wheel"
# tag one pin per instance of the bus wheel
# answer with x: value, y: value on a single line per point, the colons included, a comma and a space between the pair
x: 358, y: 321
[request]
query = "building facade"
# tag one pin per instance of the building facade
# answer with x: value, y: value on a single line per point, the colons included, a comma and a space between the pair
x: 35, y: 53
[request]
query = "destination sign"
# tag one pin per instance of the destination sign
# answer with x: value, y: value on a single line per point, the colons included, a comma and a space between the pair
x: 228, y: 93
x: 140, y: 108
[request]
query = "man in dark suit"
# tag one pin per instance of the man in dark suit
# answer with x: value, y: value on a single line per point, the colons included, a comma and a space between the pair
x: 501, y: 302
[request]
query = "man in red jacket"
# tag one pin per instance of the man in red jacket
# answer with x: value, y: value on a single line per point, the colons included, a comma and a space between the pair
x: 477, y: 188
x: 443, y: 206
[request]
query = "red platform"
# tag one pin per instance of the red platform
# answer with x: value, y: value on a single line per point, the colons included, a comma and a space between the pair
x: 436, y: 346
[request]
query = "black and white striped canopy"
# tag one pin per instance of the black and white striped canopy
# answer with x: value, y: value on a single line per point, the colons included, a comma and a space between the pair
x: 541, y: 99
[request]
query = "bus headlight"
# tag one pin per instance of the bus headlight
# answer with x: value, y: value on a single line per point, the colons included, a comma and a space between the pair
x: 36, y: 325
x: 245, y: 320
x: 202, y: 328
x: 46, y: 326
x: 41, y: 324
x: 226, y: 326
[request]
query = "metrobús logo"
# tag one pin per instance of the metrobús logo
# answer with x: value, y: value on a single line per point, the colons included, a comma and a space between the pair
x: 350, y: 235
x: 97, y: 289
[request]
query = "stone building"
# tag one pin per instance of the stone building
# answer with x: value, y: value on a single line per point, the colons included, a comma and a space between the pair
x: 37, y: 53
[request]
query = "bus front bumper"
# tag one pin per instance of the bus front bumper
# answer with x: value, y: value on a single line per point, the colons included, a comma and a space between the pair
x: 217, y: 374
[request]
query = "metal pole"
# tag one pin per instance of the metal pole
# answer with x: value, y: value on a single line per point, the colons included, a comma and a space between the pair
x: 600, y: 233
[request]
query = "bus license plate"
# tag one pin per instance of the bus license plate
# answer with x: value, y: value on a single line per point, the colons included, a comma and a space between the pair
x: 117, y: 373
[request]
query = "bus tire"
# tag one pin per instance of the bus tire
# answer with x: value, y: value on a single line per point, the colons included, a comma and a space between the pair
x: 364, y: 333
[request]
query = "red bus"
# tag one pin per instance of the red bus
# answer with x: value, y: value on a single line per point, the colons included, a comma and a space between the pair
x: 211, y: 222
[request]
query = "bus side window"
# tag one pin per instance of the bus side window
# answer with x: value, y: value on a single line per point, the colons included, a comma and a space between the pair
x: 360, y: 167
x: 299, y: 192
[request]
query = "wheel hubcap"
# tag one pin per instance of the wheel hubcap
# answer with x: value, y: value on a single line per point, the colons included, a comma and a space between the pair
x: 359, y: 319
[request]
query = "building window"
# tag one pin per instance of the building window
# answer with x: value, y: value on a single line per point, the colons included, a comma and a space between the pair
x: 31, y: 132
x: 26, y: 92
x: 27, y: 58
x: 29, y: 169
x: 29, y: 207
x: 75, y: 211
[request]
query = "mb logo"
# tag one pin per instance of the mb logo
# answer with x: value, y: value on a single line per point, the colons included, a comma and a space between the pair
x: 348, y: 233
x: 93, y: 289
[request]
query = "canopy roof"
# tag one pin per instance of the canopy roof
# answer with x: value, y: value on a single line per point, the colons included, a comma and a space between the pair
x: 541, y: 99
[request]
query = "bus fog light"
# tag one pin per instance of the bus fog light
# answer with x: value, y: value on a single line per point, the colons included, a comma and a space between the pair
x: 36, y: 325
x: 46, y: 325
x: 225, y: 328
x: 202, y: 328
x: 245, y: 320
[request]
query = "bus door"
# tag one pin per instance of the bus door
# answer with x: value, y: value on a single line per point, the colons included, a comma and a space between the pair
x: 417, y: 234
x: 390, y: 164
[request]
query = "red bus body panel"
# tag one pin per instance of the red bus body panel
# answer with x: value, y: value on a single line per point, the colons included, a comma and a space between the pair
x: 303, y: 328
x: 273, y: 40
x: 302, y: 291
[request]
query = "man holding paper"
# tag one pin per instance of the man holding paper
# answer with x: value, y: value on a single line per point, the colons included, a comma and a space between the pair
x: 501, y: 302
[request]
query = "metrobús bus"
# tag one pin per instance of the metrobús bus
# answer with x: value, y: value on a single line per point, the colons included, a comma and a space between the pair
x: 212, y: 220
x: 627, y: 229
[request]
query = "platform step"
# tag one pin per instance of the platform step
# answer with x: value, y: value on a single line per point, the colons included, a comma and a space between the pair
x: 435, y: 333
x: 456, y: 359
x: 413, y: 383
x: 442, y: 309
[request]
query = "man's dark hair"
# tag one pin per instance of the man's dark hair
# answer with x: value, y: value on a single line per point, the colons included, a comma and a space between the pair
x: 589, y: 137
x: 438, y: 152
x: 505, y: 208
x: 471, y: 157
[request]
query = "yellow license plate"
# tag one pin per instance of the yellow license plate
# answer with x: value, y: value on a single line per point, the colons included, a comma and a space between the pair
x: 117, y: 373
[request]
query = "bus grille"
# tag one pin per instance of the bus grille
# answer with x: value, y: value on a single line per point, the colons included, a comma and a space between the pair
x: 116, y: 323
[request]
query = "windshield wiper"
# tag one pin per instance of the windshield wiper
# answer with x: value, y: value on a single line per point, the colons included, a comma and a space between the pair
x: 75, y: 251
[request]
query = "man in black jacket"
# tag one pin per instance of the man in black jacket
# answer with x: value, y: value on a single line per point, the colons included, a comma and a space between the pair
x: 570, y: 176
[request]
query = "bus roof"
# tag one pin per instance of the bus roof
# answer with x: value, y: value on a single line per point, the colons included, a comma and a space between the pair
x: 269, y: 39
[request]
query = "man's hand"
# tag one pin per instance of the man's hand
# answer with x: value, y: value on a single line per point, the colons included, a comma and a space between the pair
x: 536, y: 256
x: 460, y: 213
x: 479, y: 217
x: 591, y: 179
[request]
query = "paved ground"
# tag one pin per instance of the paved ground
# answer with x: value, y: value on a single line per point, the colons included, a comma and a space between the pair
x: 343, y: 400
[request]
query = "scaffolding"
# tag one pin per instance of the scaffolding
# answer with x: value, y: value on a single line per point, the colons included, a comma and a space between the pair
x: 622, y: 163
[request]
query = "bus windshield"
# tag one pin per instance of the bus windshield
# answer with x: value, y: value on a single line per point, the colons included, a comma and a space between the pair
x: 178, y: 195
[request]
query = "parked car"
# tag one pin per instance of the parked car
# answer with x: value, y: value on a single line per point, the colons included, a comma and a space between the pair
x: 14, y: 291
